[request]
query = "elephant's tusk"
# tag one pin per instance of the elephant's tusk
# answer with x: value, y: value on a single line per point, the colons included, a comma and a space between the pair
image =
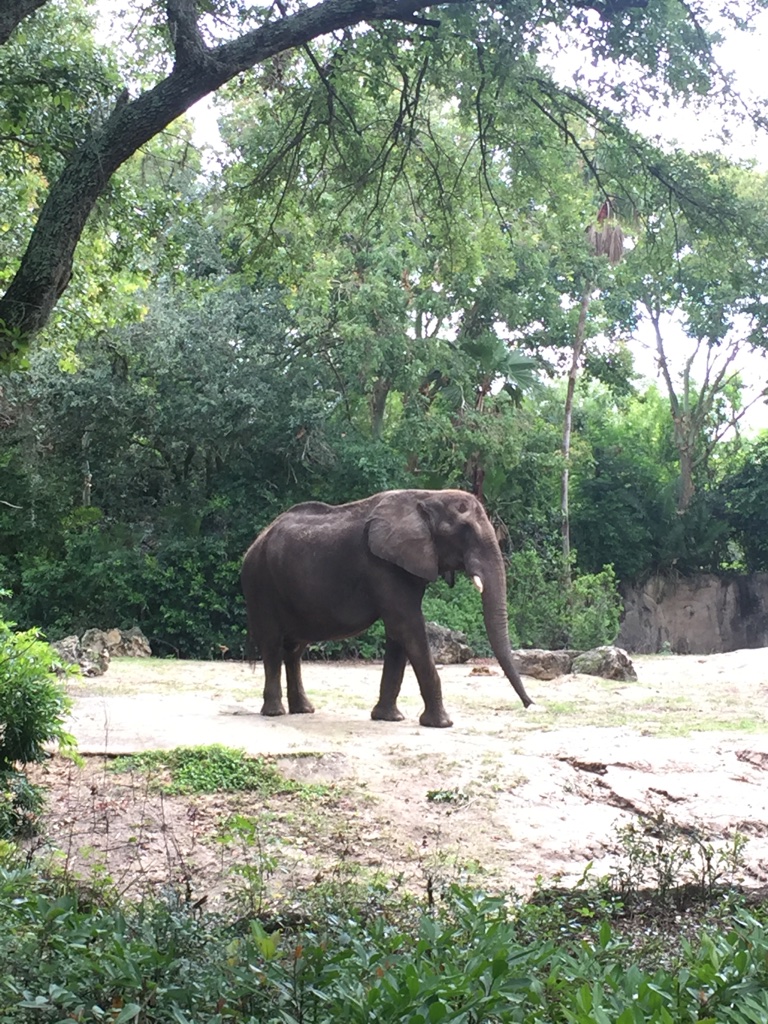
x: 478, y: 583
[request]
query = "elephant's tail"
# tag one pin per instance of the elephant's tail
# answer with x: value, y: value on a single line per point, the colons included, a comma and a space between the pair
x: 251, y: 650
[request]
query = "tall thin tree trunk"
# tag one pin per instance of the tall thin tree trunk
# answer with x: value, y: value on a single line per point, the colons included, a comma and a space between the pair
x: 378, y: 405
x: 573, y: 373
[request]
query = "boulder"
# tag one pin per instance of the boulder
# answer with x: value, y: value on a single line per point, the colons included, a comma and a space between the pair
x: 121, y: 643
x: 606, y: 662
x: 544, y: 664
x: 448, y: 646
x: 128, y: 643
x: 95, y: 648
x: 90, y: 653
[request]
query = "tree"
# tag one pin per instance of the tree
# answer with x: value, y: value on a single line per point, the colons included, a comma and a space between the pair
x: 466, y: 35
x: 605, y: 239
x: 699, y: 277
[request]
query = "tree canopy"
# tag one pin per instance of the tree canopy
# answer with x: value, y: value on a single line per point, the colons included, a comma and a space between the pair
x: 75, y: 112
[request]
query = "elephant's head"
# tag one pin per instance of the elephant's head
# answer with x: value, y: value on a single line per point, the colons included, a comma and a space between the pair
x: 437, y: 533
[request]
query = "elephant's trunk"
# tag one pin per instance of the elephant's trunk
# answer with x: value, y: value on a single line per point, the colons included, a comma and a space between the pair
x: 491, y: 581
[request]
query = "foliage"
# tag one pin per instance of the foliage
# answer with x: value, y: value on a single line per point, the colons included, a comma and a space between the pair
x: 20, y: 804
x: 595, y: 608
x: 211, y: 769
x: 546, y: 613
x: 33, y: 706
x: 744, y: 498
x: 671, y: 864
x: 33, y: 700
x: 564, y: 958
x: 458, y: 607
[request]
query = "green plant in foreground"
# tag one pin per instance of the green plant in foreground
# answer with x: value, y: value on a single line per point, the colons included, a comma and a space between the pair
x: 33, y: 706
x: 257, y: 845
x: 360, y: 956
x: 669, y: 863
x: 211, y: 769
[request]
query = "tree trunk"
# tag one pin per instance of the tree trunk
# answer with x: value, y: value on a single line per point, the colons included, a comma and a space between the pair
x: 565, y: 518
x: 12, y: 13
x: 378, y: 403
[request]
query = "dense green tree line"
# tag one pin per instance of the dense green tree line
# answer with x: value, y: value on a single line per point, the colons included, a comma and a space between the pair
x: 413, y: 234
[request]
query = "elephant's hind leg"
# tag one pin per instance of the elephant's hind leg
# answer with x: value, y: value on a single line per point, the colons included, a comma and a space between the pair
x: 272, y: 659
x: 298, y: 702
x: 386, y: 709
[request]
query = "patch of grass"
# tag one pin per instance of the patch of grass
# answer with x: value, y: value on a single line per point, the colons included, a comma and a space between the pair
x: 563, y: 707
x: 447, y: 796
x: 705, y: 724
x: 212, y: 769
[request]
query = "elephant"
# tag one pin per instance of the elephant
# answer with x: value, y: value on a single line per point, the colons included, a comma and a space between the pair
x: 326, y: 572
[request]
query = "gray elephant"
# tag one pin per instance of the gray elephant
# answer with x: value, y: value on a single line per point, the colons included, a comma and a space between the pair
x: 324, y: 572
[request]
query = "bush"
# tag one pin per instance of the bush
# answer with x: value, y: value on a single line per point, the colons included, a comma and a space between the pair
x: 33, y: 704
x: 458, y: 607
x: 595, y: 609
x: 545, y: 613
x: 466, y: 957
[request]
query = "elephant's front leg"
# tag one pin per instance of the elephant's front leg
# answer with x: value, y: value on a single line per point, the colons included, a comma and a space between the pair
x: 298, y: 702
x: 386, y: 709
x: 434, y: 712
x: 411, y: 633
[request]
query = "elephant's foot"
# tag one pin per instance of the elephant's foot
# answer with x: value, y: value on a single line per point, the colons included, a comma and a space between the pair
x: 301, y: 707
x: 383, y: 713
x: 272, y: 708
x: 436, y: 719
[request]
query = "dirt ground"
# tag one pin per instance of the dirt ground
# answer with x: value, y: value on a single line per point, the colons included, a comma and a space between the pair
x: 506, y: 796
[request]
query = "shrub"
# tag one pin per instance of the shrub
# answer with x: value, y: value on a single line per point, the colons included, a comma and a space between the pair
x: 545, y: 613
x: 595, y: 609
x: 33, y: 704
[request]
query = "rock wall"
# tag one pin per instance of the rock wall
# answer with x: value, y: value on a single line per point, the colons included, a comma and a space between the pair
x: 695, y: 615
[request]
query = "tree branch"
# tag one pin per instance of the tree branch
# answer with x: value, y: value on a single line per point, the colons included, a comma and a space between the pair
x: 46, y: 266
x: 12, y: 13
x: 188, y: 44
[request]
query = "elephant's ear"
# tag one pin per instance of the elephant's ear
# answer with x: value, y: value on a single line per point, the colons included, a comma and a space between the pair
x: 402, y: 534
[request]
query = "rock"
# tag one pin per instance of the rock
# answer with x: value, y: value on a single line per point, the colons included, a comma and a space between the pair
x: 121, y: 643
x: 128, y: 643
x: 700, y: 614
x: 68, y: 649
x: 606, y: 662
x: 448, y: 646
x: 482, y: 670
x: 544, y: 664
x: 94, y: 650
x: 90, y: 653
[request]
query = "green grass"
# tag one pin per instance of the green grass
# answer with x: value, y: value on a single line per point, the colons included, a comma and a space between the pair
x: 706, y: 724
x: 211, y: 769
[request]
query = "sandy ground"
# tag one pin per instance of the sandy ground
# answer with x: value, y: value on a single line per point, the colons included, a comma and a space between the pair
x: 508, y: 796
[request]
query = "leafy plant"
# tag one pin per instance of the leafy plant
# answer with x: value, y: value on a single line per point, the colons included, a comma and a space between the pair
x: 447, y: 796
x: 669, y: 864
x: 257, y: 845
x: 210, y: 769
x: 595, y: 609
x: 33, y: 701
x: 33, y: 706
